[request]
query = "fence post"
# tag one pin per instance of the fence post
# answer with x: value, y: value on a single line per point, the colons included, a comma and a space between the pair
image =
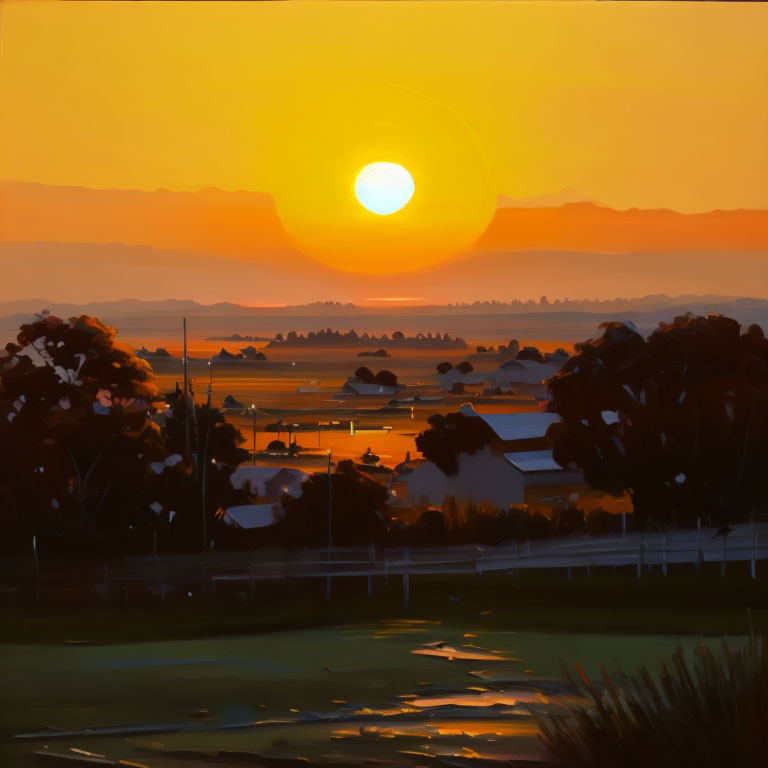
x: 753, y: 565
x: 722, y: 562
x: 35, y: 572
x: 699, y: 553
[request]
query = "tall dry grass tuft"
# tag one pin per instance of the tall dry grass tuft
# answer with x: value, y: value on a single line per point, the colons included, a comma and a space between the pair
x: 708, y: 711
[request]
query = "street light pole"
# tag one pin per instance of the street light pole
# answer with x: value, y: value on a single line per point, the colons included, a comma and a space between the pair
x: 330, y: 530
x: 253, y: 413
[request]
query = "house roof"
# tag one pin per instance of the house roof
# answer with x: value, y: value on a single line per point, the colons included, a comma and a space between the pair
x: 251, y: 516
x: 533, y: 461
x: 258, y: 476
x: 514, y: 426
x: 372, y: 389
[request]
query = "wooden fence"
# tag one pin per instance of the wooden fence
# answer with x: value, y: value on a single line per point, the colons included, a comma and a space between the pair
x: 210, y: 572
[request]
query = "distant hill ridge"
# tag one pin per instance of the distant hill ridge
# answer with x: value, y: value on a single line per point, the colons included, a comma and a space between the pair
x: 244, y: 224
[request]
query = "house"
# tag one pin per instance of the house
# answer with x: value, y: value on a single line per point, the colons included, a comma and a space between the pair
x: 524, y: 372
x: 361, y: 388
x: 516, y: 467
x: 251, y: 516
x: 455, y: 376
x: 269, y: 482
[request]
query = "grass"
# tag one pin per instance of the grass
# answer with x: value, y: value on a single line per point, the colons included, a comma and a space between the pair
x: 712, y: 711
x: 684, y: 603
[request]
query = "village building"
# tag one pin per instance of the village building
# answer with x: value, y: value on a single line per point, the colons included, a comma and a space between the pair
x: 248, y: 517
x: 373, y: 389
x: 523, y: 372
x: 268, y: 483
x: 516, y: 467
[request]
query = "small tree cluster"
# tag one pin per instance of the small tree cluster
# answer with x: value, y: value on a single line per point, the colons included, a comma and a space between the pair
x: 383, y: 378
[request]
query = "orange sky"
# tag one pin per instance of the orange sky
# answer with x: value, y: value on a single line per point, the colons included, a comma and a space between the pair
x: 649, y: 105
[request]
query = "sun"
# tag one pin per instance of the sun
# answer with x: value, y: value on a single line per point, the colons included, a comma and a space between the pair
x: 382, y: 181
x: 384, y: 188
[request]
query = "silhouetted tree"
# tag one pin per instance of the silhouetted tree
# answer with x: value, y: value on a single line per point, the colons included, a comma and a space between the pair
x: 465, y: 367
x: 385, y: 379
x: 679, y: 421
x: 364, y: 374
x: 76, y: 440
x: 358, y: 505
x: 444, y: 367
x: 452, y: 434
x: 81, y: 453
x: 429, y: 530
x: 530, y: 353
x: 398, y: 336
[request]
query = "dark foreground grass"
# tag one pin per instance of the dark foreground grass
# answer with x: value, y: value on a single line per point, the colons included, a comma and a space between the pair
x: 707, y: 711
x: 610, y: 602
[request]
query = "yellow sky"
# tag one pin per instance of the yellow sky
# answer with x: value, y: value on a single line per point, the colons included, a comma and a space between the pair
x: 641, y: 104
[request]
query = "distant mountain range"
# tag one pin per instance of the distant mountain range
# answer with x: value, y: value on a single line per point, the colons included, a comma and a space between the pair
x: 245, y: 224
x: 77, y: 244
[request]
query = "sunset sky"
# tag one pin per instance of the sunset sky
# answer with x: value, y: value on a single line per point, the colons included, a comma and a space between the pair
x: 643, y: 105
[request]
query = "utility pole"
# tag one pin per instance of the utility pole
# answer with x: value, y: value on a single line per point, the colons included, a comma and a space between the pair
x: 185, y: 362
x: 204, y: 463
x: 330, y: 530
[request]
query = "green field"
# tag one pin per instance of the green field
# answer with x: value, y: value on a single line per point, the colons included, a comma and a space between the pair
x: 683, y: 603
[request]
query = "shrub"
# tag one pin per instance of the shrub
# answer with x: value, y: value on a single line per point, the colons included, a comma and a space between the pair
x: 465, y: 367
x: 444, y: 367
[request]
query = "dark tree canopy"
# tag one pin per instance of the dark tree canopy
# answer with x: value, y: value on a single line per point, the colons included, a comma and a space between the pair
x: 364, y: 374
x: 530, y: 353
x: 385, y: 379
x: 679, y: 420
x: 358, y: 503
x: 465, y: 367
x: 444, y: 367
x: 452, y: 434
x: 83, y: 458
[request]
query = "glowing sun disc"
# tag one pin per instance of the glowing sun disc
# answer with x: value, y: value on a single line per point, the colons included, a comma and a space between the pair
x: 384, y: 188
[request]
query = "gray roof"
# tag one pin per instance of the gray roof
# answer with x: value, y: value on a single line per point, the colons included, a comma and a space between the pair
x: 533, y: 461
x: 519, y: 426
x: 249, y: 516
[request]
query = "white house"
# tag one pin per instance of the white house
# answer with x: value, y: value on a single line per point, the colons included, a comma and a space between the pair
x: 269, y: 482
x: 524, y: 372
x: 507, y: 471
x: 455, y: 376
